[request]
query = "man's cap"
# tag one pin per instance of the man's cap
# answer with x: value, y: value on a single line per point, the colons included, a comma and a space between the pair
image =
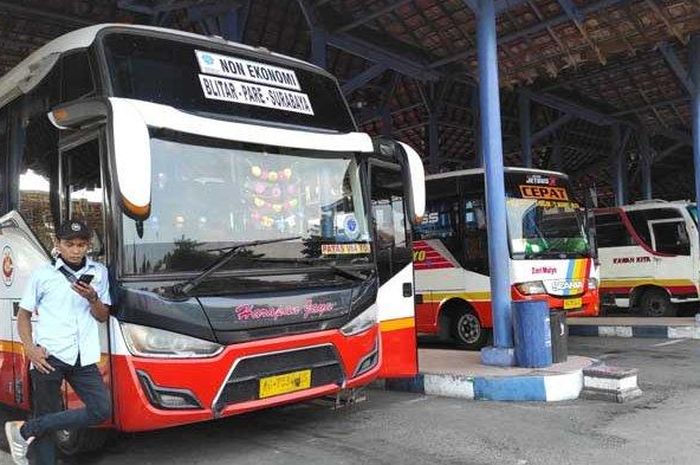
x: 73, y: 229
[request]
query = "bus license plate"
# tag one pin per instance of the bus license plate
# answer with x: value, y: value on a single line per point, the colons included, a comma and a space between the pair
x: 573, y: 303
x: 283, y: 384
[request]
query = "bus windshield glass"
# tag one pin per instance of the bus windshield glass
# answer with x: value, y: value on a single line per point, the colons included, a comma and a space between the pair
x: 223, y: 81
x: 209, y: 195
x: 544, y: 222
x: 692, y: 209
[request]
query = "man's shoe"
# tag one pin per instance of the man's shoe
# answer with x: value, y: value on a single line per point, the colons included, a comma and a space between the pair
x: 18, y: 445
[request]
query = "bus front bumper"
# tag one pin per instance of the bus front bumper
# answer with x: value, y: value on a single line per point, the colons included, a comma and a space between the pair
x: 152, y: 394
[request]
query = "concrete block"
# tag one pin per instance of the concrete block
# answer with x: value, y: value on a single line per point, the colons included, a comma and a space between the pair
x: 608, y: 383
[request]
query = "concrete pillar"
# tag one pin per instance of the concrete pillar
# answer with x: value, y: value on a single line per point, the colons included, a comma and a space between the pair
x: 492, y: 148
x: 694, y: 61
x: 525, y: 130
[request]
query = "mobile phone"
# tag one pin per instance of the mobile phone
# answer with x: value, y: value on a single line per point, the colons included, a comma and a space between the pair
x: 86, y: 278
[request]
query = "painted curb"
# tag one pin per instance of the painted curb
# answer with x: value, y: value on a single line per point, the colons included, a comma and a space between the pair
x: 642, y: 331
x: 541, y: 388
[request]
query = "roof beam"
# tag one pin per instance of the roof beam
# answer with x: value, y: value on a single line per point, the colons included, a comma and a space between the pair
x: 377, y: 54
x: 551, y: 128
x: 573, y: 109
x: 578, y: 18
x: 35, y: 13
x: 372, y: 16
x: 650, y: 106
x: 539, y: 27
x: 676, y: 66
x: 363, y: 78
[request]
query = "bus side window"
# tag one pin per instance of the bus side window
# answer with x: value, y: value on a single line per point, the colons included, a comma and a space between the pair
x: 671, y: 237
x: 476, y: 255
x: 76, y: 76
x: 4, y: 148
x: 611, y: 231
x: 36, y: 141
x: 83, y: 190
x: 390, y: 222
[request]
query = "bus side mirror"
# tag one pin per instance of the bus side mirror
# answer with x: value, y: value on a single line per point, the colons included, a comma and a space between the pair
x: 412, y: 173
x: 132, y: 159
x: 591, y: 234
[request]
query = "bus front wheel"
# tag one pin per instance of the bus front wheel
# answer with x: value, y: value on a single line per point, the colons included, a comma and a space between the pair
x: 656, y: 303
x: 467, y: 330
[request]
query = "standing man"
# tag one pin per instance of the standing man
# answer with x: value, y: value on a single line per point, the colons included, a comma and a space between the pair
x: 70, y: 299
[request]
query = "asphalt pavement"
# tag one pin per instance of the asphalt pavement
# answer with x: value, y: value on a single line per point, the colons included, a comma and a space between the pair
x: 400, y: 428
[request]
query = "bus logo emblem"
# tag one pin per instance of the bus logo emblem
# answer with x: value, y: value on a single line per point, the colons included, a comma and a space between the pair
x: 8, y: 266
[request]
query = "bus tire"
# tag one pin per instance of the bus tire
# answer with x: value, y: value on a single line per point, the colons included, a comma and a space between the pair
x: 73, y: 442
x: 467, y: 331
x: 656, y: 303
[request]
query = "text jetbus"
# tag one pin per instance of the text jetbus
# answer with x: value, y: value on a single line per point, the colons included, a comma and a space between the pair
x: 550, y: 254
x: 232, y: 200
x: 649, y: 256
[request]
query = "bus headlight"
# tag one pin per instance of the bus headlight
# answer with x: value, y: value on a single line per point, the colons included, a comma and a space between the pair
x: 592, y: 284
x: 531, y: 288
x: 152, y: 342
x: 361, y: 322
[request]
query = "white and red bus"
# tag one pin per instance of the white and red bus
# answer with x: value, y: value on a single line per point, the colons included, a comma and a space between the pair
x: 550, y: 251
x: 231, y: 198
x: 649, y: 256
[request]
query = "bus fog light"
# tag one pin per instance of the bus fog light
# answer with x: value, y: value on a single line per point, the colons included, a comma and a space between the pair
x: 362, y: 322
x: 531, y: 288
x: 144, y: 341
x: 167, y: 398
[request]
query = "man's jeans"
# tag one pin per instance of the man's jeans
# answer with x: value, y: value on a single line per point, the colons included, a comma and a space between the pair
x: 49, y: 415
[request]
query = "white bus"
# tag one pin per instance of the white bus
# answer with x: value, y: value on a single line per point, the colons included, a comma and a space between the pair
x: 550, y: 252
x: 232, y: 202
x: 649, y: 256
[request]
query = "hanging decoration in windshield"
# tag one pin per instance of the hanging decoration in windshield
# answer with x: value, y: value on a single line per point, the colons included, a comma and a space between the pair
x: 247, y: 88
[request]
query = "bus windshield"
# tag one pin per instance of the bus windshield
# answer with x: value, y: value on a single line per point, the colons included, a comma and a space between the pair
x: 540, y: 230
x: 209, y: 195
x: 692, y: 209
x: 543, y: 221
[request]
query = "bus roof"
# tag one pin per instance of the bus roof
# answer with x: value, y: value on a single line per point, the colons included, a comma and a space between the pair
x: 507, y: 169
x: 17, y: 81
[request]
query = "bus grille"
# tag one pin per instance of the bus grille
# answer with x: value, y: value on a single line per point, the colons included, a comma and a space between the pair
x: 243, y: 383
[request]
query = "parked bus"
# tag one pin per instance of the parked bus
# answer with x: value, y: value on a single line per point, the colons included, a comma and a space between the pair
x: 229, y: 192
x: 550, y: 251
x: 649, y: 256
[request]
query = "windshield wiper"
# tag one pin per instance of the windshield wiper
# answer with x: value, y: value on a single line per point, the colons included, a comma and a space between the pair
x: 310, y: 261
x: 187, y: 286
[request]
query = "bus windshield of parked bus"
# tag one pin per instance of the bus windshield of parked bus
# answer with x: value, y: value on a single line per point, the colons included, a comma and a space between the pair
x: 208, y: 195
x: 544, y: 222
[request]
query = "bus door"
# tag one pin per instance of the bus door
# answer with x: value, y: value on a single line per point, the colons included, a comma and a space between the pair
x: 22, y: 253
x: 82, y: 197
x: 670, y: 237
x: 395, y: 301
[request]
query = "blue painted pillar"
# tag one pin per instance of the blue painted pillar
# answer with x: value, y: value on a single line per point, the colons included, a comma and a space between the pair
x: 619, y: 166
x: 479, y: 161
x: 694, y: 61
x: 318, y: 47
x: 525, y: 130
x: 387, y: 121
x: 433, y: 140
x: 492, y: 148
x: 557, y: 162
x: 645, y: 165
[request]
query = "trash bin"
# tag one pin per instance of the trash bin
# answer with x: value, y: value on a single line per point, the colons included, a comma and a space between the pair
x: 533, y: 336
x: 560, y: 334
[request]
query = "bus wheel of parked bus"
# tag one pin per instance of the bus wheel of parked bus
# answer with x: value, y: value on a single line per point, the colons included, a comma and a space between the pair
x: 464, y: 326
x: 73, y: 442
x: 656, y: 303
